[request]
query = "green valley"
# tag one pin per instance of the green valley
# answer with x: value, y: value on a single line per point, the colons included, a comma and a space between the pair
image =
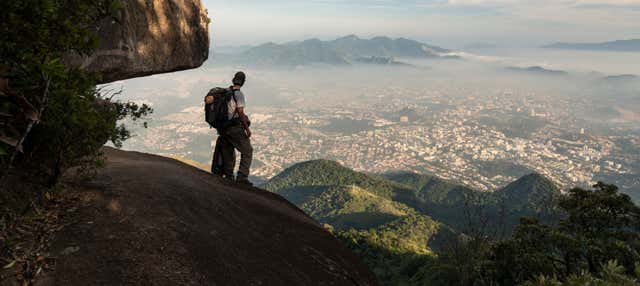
x: 399, y: 222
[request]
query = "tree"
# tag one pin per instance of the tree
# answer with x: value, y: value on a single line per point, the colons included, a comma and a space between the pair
x: 52, y: 116
x: 600, y: 225
x: 605, y: 224
x: 597, y: 238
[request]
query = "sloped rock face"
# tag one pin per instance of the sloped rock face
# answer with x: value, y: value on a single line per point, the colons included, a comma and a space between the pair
x: 148, y: 220
x: 150, y: 37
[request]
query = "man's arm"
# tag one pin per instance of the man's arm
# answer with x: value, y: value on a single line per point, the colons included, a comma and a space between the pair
x: 244, y: 120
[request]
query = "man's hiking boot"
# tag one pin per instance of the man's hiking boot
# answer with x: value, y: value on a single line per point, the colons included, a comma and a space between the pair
x: 244, y: 181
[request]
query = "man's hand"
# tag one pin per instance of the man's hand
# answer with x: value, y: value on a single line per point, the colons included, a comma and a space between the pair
x: 244, y: 121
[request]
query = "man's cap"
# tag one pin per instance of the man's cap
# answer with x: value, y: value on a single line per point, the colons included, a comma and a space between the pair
x: 239, y: 78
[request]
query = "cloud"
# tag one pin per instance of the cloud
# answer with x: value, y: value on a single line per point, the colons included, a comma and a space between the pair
x: 602, y: 3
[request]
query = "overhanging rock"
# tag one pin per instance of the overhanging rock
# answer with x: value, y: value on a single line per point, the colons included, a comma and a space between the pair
x: 150, y: 37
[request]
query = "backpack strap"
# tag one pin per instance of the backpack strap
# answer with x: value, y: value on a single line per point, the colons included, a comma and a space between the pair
x: 233, y: 96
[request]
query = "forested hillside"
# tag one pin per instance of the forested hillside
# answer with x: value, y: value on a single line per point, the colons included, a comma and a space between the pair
x: 417, y: 229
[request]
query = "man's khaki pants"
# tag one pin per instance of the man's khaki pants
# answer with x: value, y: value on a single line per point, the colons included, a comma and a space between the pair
x: 236, y: 138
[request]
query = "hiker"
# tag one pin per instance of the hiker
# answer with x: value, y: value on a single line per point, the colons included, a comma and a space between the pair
x: 224, y: 111
x: 238, y: 135
x: 216, y: 114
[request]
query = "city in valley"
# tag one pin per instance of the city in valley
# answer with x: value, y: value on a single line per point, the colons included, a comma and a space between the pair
x: 481, y: 134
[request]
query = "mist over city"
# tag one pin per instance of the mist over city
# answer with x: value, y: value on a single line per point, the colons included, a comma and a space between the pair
x: 474, y: 116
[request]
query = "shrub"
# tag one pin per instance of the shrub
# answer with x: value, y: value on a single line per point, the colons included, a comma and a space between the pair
x: 52, y: 116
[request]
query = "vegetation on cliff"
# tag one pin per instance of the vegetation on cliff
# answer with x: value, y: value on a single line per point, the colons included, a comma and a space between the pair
x: 422, y: 230
x: 54, y: 117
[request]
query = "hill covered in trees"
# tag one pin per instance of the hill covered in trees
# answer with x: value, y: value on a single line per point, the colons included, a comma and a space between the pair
x: 427, y: 195
x: 399, y: 222
x: 417, y: 229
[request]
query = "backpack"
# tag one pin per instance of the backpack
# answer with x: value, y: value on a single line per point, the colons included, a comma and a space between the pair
x: 217, y: 112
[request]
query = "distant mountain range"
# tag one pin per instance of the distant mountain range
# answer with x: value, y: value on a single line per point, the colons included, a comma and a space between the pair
x: 621, y: 78
x: 623, y: 89
x: 616, y: 46
x: 388, y: 217
x: 343, y: 51
x: 537, y: 70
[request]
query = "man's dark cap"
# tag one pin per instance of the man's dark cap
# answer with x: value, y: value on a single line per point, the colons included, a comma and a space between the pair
x: 239, y: 78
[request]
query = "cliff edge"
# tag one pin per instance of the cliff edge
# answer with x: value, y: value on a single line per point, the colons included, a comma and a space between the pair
x: 155, y: 221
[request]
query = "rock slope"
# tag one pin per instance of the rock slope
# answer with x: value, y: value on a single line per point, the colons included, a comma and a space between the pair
x: 149, y: 220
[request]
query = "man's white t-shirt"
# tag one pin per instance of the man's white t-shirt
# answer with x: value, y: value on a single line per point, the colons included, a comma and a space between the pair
x: 232, y: 104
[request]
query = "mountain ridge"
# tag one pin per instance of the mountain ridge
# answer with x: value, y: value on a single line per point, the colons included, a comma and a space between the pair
x: 538, y: 70
x: 632, y: 45
x: 399, y: 222
x: 342, y: 51
x: 428, y: 195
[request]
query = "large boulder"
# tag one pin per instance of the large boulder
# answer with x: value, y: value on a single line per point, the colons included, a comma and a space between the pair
x: 149, y: 220
x: 150, y: 37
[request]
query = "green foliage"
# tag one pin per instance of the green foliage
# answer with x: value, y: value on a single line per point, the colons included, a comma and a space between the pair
x: 390, y: 237
x: 569, y: 240
x: 429, y: 189
x: 466, y: 210
x: 55, y: 111
x: 397, y: 251
x: 412, y: 180
x: 612, y: 275
x: 127, y: 110
x: 387, y: 219
x: 327, y: 173
x: 605, y: 223
x: 352, y: 207
x: 462, y: 260
x: 600, y: 226
x: 529, y: 189
x: 33, y: 32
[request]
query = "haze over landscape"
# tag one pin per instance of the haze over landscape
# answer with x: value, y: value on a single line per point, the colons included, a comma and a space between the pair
x: 386, y: 104
x: 414, y: 137
x: 421, y: 142
x: 381, y: 119
x: 451, y: 23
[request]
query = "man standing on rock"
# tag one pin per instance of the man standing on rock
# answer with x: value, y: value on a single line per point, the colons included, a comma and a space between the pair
x: 238, y: 134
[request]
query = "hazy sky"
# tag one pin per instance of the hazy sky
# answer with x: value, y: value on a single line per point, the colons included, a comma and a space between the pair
x: 450, y: 23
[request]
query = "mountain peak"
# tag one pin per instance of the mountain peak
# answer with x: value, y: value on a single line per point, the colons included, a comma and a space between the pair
x: 348, y: 38
x: 538, y: 70
x: 342, y: 51
x: 528, y: 187
x: 535, y: 176
x: 381, y: 38
x: 312, y: 40
x: 530, y: 179
x: 324, y: 174
x: 319, y: 163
